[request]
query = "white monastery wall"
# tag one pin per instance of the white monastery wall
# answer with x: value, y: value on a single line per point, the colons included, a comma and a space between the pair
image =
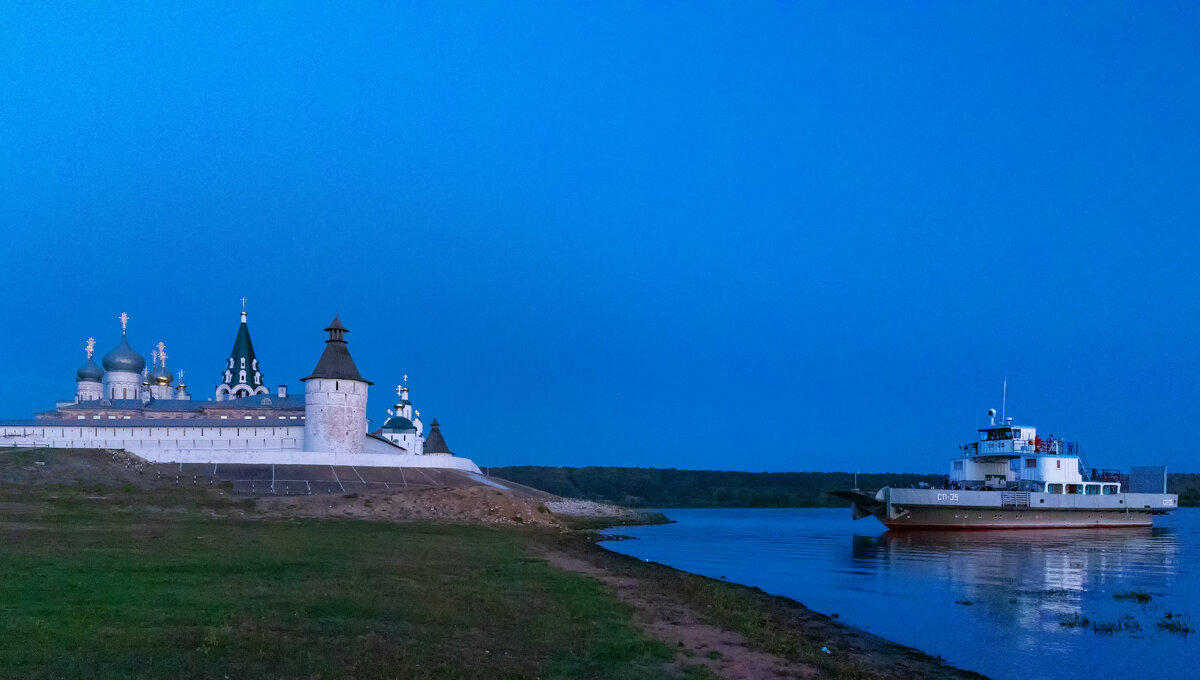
x: 145, y: 441
x: 267, y: 445
x: 291, y: 457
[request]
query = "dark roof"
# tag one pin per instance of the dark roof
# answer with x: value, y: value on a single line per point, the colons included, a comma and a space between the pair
x: 242, y: 349
x: 156, y: 422
x: 399, y: 423
x: 335, y: 362
x: 292, y: 402
x: 435, y: 443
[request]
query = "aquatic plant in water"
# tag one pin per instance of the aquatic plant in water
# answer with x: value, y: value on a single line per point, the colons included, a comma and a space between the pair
x: 1175, y: 623
x: 1138, y: 596
x: 1126, y: 623
x: 1074, y: 621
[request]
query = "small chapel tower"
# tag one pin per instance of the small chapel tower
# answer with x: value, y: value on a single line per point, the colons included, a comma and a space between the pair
x: 401, y: 427
x: 123, y: 369
x: 241, y: 378
x: 160, y: 378
x: 89, y: 377
x: 335, y: 399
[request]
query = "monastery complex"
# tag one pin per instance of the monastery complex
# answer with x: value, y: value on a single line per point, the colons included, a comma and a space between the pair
x: 148, y: 411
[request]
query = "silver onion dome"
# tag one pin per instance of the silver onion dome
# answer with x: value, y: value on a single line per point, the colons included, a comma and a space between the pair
x: 89, y: 372
x: 124, y: 359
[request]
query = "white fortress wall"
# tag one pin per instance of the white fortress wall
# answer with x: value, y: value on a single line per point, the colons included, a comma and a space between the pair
x: 143, y: 440
x: 276, y: 457
x: 261, y: 444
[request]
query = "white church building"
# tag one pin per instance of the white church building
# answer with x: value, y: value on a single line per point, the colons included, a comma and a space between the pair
x: 122, y: 404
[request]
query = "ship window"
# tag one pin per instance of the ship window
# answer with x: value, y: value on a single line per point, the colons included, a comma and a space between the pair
x: 1092, y: 490
x: 1031, y: 462
x: 1054, y: 488
x: 1109, y: 489
x: 958, y: 465
x: 1058, y: 464
x: 1074, y: 488
x: 1016, y: 434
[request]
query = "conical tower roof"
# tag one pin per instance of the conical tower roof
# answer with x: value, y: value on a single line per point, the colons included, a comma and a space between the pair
x: 335, y: 362
x: 435, y: 443
x: 242, y: 358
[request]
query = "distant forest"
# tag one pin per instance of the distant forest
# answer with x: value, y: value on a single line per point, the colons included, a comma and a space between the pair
x: 1187, y: 485
x: 671, y: 488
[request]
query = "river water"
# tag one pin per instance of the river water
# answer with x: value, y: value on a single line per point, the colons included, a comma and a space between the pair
x: 989, y: 601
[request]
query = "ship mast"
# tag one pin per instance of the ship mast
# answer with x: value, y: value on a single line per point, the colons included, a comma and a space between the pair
x: 1003, y: 400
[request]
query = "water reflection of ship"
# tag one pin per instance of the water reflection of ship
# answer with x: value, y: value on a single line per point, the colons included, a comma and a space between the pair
x: 1025, y: 578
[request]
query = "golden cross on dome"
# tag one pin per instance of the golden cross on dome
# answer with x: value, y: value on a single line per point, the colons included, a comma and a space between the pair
x: 390, y: 412
x: 399, y: 390
x: 154, y: 355
x: 418, y: 414
x: 162, y: 352
x: 180, y: 374
x: 405, y: 378
x: 124, y: 320
x: 243, y: 305
x: 91, y: 346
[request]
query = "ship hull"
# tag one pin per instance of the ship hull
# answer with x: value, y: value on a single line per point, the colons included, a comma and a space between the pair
x: 959, y: 519
x: 949, y: 509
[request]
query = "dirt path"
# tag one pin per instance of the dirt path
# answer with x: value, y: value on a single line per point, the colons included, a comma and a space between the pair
x: 724, y: 653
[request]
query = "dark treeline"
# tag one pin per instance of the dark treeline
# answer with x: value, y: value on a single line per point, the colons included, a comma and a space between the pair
x: 1187, y: 485
x: 668, y: 487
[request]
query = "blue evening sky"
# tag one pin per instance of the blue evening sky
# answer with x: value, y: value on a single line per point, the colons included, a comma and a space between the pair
x: 740, y: 235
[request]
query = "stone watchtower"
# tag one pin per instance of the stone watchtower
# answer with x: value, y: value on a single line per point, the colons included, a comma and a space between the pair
x: 335, y: 399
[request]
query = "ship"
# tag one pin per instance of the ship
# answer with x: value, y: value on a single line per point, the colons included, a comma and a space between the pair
x: 1013, y: 478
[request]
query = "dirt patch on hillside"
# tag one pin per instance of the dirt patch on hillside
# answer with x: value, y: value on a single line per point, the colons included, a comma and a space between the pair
x: 723, y: 653
x: 736, y: 632
x: 483, y: 505
x: 39, y: 467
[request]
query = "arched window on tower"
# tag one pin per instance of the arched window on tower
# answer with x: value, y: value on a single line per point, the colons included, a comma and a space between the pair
x: 242, y: 377
x: 243, y: 362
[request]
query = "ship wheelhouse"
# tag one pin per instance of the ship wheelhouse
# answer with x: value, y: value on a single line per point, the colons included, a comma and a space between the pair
x: 1014, y: 458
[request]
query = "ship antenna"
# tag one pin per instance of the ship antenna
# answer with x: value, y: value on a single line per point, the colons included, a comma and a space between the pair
x: 1003, y: 400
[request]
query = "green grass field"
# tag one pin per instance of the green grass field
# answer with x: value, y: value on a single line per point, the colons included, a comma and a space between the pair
x: 89, y: 588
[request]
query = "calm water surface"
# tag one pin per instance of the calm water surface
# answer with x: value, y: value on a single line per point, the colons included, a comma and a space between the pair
x: 913, y: 587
